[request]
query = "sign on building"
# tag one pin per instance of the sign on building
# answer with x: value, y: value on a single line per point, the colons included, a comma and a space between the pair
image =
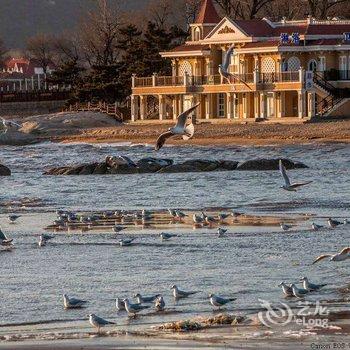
x: 346, y: 36
x: 309, y: 80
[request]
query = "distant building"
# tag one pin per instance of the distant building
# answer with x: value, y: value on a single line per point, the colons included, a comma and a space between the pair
x: 21, y: 74
x: 285, y: 69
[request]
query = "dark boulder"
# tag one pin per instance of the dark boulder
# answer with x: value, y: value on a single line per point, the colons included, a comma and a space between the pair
x: 152, y: 165
x: 178, y: 168
x: 269, y: 164
x: 88, y: 169
x: 4, y: 170
x: 122, y: 169
x: 202, y: 165
x: 228, y: 165
x: 100, y: 169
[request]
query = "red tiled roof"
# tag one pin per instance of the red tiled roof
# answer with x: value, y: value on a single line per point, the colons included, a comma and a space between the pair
x: 207, y: 13
x: 190, y: 48
x: 330, y: 29
x: 255, y: 27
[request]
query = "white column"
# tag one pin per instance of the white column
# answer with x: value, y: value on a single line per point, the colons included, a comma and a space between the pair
x: 311, y: 104
x: 301, y: 104
x: 134, y: 107
x: 133, y: 78
x: 208, y: 107
x: 229, y: 109
x: 154, y: 79
x: 143, y: 107
x: 161, y: 107
x: 262, y: 105
x: 175, y: 107
x: 256, y: 105
x: 282, y: 104
x: 181, y: 104
x: 235, y: 104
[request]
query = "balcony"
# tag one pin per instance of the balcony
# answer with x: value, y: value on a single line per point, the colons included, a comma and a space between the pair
x: 213, y: 83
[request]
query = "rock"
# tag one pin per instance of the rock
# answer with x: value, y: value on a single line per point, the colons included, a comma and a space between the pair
x: 269, y: 164
x: 16, y: 138
x: 228, y: 164
x: 100, y: 169
x: 74, y: 170
x: 202, y: 165
x: 4, y: 170
x: 122, y: 169
x: 152, y: 165
x: 178, y: 168
x: 88, y: 169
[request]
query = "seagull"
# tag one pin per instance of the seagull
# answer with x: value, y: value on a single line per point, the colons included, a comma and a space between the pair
x: 223, y: 216
x: 311, y: 286
x: 126, y: 242
x: 180, y: 214
x: 166, y: 236
x: 4, y: 240
x: 133, y: 309
x: 98, y: 322
x: 43, y: 239
x: 333, y: 223
x: 346, y: 222
x: 287, y: 290
x: 287, y: 184
x: 341, y: 256
x: 316, y: 227
x: 159, y: 304
x: 299, y: 292
x: 118, y: 228
x: 120, y: 305
x: 285, y: 227
x: 180, y: 293
x: 221, y: 231
x: 10, y: 125
x: 197, y: 219
x: 140, y: 299
x: 180, y: 128
x: 72, y: 303
x: 13, y: 218
x: 172, y: 212
x: 210, y: 220
x: 219, y: 301
x: 223, y: 69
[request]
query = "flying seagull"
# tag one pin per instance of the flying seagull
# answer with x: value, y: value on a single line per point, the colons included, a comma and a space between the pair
x: 98, y: 322
x: 223, y: 69
x: 180, y: 128
x: 288, y: 186
x: 341, y: 256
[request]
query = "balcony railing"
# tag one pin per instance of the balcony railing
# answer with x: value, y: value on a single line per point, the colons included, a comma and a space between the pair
x: 250, y: 78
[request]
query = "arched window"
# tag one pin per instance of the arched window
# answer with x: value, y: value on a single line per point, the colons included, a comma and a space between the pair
x: 284, y: 65
x: 268, y: 65
x: 184, y: 68
x: 312, y: 65
x: 197, y: 34
x: 293, y: 63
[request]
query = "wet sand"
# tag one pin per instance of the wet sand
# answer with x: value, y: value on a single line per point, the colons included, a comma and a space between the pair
x: 219, y: 134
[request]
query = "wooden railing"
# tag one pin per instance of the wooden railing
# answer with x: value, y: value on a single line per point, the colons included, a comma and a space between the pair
x: 192, y: 80
x: 103, y: 107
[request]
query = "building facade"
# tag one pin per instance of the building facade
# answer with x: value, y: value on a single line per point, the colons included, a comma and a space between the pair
x: 284, y: 69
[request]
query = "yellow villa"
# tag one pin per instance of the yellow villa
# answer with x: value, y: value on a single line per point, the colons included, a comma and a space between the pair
x: 285, y: 69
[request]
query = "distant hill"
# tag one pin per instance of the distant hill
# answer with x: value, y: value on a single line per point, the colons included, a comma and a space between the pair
x: 20, y: 19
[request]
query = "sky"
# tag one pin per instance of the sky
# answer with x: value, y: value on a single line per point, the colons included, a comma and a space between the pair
x: 21, y: 19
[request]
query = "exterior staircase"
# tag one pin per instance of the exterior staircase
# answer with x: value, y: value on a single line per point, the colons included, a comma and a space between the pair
x: 329, y: 98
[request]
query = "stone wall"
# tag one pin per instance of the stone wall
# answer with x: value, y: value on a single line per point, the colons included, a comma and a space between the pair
x: 25, y: 109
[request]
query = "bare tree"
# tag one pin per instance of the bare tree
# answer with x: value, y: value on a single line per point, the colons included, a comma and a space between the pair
x: 40, y: 48
x: 322, y: 8
x: 66, y: 48
x: 3, y: 52
x: 99, y: 33
x: 284, y: 9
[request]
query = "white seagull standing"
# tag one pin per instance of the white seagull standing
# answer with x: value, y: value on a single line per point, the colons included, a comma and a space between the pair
x: 159, y: 304
x: 180, y: 293
x: 341, y: 256
x: 180, y: 128
x: 287, y: 289
x: 311, y: 286
x: 219, y: 301
x: 223, y: 69
x: 299, y: 292
x: 98, y: 322
x: 288, y: 186
x: 133, y: 309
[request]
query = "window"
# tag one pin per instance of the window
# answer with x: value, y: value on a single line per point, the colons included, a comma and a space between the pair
x: 221, y: 105
x: 268, y: 65
x: 284, y: 65
x: 185, y: 67
x: 342, y: 67
x: 293, y: 64
x: 322, y: 64
x: 312, y: 65
x: 197, y: 34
